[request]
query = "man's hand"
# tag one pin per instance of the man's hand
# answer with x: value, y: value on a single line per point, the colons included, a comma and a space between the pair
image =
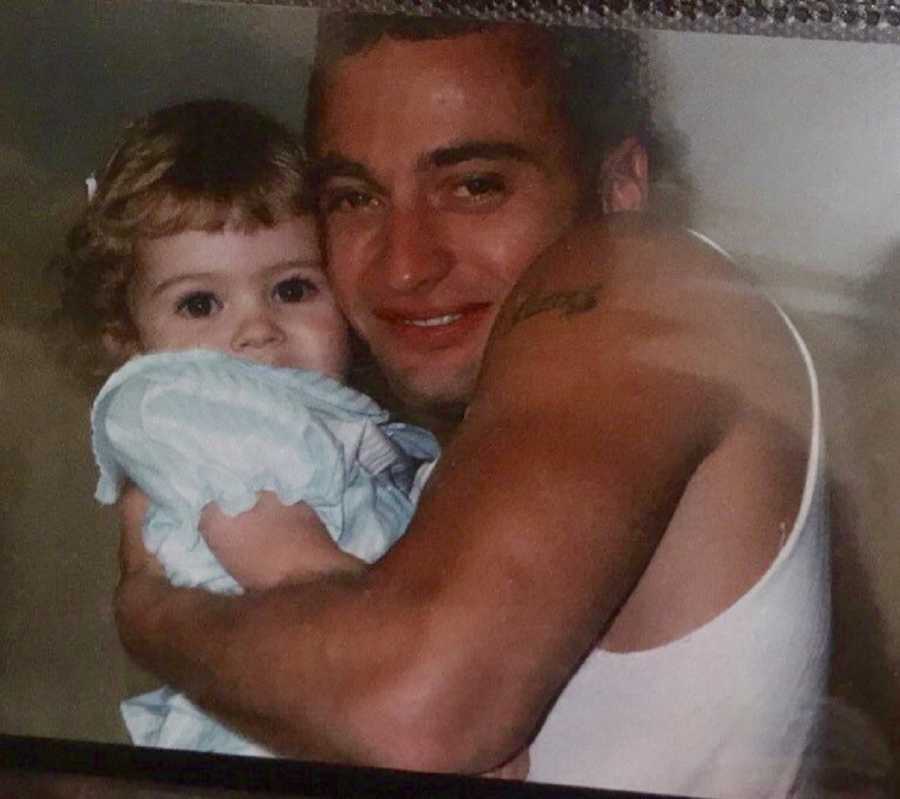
x: 133, y: 555
x: 142, y: 580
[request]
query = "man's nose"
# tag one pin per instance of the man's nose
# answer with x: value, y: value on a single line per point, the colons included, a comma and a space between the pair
x: 257, y: 329
x: 416, y: 256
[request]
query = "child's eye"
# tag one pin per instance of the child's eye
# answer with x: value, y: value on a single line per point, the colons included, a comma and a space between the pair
x: 198, y: 305
x: 294, y: 289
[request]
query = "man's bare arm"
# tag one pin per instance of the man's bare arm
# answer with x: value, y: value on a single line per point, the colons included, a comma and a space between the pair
x: 592, y: 416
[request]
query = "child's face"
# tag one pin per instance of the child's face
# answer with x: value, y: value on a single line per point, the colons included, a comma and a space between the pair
x: 261, y: 296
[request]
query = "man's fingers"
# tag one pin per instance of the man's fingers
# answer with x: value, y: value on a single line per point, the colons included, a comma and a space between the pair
x: 132, y: 507
x: 133, y: 557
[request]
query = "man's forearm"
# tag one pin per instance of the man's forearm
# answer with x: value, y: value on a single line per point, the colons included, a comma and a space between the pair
x: 260, y: 663
x: 231, y: 655
x: 151, y: 616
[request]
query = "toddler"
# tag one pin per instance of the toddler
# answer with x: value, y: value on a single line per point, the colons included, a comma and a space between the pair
x: 196, y: 264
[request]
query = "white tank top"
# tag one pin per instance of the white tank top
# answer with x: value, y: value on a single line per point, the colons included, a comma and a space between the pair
x: 725, y: 711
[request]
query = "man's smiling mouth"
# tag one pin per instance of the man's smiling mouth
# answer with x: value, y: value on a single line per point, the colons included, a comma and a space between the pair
x: 434, y: 321
x: 439, y: 328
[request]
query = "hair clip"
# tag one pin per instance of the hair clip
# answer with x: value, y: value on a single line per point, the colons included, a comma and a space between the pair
x: 90, y: 183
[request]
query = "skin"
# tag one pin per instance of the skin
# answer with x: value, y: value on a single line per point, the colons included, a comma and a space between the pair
x: 437, y: 220
x: 634, y: 442
x: 261, y: 296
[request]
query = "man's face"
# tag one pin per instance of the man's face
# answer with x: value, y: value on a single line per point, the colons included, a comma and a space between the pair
x: 448, y: 170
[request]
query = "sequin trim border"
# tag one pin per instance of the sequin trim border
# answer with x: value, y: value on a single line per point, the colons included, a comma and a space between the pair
x: 842, y: 20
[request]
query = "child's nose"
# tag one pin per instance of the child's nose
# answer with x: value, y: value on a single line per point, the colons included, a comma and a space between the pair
x: 257, y: 330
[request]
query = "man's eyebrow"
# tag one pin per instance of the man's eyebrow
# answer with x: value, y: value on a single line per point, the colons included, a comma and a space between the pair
x: 477, y: 150
x: 333, y: 165
x: 337, y: 166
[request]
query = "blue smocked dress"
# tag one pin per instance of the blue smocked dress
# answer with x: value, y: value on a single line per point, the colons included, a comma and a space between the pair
x: 190, y: 428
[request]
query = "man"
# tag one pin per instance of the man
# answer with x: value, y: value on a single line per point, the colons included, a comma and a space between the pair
x: 620, y: 559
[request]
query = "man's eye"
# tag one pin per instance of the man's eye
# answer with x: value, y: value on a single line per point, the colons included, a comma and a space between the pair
x: 198, y: 305
x: 345, y: 199
x: 294, y: 289
x: 479, y: 186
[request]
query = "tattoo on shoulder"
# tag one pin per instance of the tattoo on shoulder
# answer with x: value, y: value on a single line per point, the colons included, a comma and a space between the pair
x: 575, y: 301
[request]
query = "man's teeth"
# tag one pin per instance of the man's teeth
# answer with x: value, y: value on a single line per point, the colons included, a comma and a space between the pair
x: 434, y: 321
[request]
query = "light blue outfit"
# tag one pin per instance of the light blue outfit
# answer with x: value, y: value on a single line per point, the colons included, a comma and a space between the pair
x: 195, y: 427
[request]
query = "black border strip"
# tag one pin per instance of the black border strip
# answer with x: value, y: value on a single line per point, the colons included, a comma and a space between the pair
x: 147, y: 767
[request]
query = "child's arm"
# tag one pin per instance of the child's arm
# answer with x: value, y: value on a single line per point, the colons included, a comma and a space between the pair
x: 290, y: 543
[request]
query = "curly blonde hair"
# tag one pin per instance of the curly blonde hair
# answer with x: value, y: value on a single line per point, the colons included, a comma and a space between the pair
x: 206, y: 165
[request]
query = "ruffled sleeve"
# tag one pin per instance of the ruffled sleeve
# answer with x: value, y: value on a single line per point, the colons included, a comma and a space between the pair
x: 195, y: 427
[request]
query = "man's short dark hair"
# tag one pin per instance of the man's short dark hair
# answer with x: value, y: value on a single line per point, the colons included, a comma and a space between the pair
x: 599, y: 75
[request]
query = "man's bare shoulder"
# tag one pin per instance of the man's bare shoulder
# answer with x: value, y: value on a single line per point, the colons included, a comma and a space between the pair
x: 649, y: 339
x: 621, y: 263
x: 626, y: 292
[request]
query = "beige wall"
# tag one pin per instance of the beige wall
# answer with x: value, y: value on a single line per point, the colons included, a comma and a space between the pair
x: 72, y: 72
x: 62, y: 669
x: 792, y: 149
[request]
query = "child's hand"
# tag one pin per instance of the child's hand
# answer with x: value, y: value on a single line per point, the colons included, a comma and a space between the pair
x: 273, y: 543
x: 515, y: 769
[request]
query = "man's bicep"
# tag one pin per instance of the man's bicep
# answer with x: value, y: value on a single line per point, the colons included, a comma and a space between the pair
x: 535, y: 534
x: 629, y: 384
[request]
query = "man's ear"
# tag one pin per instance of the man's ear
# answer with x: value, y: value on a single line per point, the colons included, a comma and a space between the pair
x: 623, y: 183
x: 119, y: 343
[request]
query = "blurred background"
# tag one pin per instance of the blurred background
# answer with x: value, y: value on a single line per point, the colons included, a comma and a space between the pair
x: 788, y: 156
